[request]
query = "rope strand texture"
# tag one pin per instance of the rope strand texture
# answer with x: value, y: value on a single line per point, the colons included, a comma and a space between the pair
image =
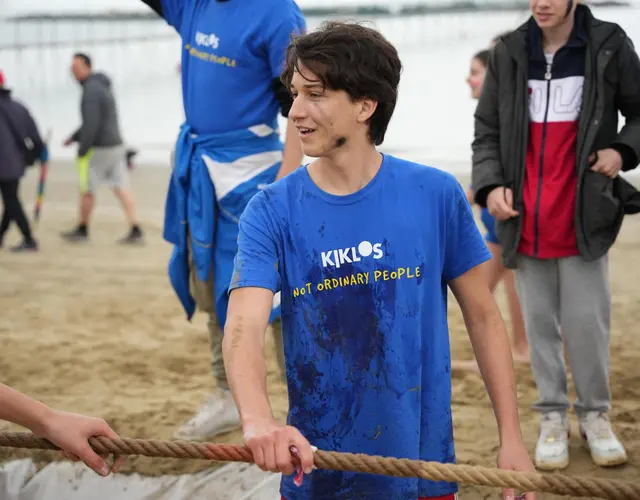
x: 560, y: 484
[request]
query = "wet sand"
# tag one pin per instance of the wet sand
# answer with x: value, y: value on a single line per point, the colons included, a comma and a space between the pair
x: 96, y: 329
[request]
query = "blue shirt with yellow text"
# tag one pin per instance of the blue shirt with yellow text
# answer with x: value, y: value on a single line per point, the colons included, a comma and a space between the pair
x: 231, y: 53
x: 363, y: 281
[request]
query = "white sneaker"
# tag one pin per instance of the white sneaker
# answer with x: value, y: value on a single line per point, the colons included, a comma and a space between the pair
x: 216, y: 416
x: 606, y: 450
x: 552, y: 450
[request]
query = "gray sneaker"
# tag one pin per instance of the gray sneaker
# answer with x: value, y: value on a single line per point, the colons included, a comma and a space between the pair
x: 135, y: 237
x: 77, y: 235
x: 217, y: 415
x: 25, y: 246
x: 552, y: 449
x: 606, y: 449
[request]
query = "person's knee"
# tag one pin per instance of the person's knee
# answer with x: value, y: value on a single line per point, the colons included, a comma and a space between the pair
x: 202, y: 292
x: 591, y: 325
x: 87, y: 198
x: 121, y: 191
x: 204, y: 300
x: 220, y: 307
x: 215, y: 329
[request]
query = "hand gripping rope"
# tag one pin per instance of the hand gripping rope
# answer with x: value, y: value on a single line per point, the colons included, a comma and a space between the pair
x: 560, y: 484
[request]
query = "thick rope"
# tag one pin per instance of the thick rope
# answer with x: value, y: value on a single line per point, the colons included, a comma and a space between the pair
x: 463, y: 474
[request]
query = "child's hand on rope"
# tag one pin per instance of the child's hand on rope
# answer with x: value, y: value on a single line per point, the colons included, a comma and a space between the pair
x: 71, y: 433
x: 514, y: 456
x: 271, y: 444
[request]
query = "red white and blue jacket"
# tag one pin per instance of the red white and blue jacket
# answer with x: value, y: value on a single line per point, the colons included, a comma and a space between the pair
x: 555, y: 99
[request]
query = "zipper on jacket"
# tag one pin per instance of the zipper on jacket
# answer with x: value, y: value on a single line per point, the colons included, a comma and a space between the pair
x: 536, y: 221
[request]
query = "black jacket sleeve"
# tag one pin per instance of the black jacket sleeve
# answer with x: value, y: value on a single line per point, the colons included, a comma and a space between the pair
x: 628, y: 155
x: 628, y: 102
x: 156, y: 5
x: 487, y: 171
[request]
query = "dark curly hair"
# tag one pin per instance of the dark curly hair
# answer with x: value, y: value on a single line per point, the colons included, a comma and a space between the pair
x: 353, y: 58
x: 483, y: 57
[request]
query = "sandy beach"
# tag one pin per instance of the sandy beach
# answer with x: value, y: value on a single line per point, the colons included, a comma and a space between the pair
x: 96, y: 329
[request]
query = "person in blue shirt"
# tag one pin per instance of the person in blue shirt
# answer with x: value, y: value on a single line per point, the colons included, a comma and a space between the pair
x: 228, y: 149
x: 362, y: 247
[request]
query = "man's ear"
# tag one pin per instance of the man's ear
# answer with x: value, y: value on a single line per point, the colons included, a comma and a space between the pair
x: 367, y: 108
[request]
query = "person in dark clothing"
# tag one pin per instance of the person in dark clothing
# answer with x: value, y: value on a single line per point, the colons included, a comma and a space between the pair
x: 546, y: 158
x: 102, y: 156
x: 496, y: 271
x: 16, y: 123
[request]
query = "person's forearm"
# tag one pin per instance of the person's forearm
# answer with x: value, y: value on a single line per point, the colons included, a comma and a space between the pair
x: 493, y: 352
x: 292, y: 156
x: 23, y: 410
x: 246, y: 372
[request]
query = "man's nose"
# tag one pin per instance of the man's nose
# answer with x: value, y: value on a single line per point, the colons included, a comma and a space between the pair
x: 297, y: 109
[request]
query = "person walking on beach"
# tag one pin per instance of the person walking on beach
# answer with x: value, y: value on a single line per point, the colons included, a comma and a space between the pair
x: 101, y: 156
x: 548, y: 173
x: 228, y: 149
x: 364, y: 289
x: 496, y: 271
x: 19, y: 137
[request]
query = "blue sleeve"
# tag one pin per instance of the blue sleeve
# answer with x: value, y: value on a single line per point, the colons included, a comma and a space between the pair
x: 285, y: 26
x: 464, y: 246
x: 256, y: 261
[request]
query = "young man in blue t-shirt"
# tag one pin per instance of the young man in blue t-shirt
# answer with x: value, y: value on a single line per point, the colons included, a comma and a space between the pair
x: 228, y: 148
x: 362, y: 247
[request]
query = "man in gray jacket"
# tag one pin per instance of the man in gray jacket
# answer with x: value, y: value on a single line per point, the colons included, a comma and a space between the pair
x: 546, y: 158
x: 101, y: 153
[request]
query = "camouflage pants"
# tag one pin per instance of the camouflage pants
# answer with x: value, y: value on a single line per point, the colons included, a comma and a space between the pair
x: 202, y: 292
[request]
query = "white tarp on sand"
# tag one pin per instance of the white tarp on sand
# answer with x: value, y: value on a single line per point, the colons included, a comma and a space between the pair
x: 20, y: 480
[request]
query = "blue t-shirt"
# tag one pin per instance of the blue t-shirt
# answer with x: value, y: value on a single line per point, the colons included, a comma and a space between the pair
x: 231, y: 52
x: 364, y: 315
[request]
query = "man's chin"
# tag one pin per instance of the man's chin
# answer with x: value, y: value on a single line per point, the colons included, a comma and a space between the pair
x: 311, y: 151
x: 545, y: 22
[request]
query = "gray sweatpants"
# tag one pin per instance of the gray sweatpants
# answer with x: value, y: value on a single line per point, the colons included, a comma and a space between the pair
x: 567, y: 299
